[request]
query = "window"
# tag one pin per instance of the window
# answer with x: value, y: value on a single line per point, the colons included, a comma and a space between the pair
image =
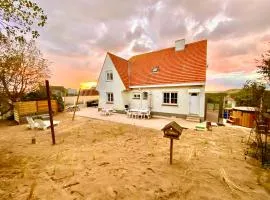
x: 136, y: 96
x: 174, y: 98
x: 170, y: 98
x: 145, y: 95
x: 109, y: 76
x: 109, y: 97
x: 155, y: 69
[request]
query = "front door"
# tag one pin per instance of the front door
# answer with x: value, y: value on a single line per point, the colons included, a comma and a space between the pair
x: 194, y: 103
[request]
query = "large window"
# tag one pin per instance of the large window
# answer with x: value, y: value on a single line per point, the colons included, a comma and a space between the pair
x: 109, y: 76
x: 170, y: 98
x: 109, y: 97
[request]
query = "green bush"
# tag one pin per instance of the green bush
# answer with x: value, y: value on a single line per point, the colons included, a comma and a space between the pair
x: 41, y: 95
x: 60, y: 102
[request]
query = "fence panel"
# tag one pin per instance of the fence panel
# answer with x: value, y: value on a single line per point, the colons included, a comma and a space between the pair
x: 25, y: 108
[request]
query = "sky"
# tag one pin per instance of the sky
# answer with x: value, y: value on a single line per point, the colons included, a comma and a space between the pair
x: 78, y: 34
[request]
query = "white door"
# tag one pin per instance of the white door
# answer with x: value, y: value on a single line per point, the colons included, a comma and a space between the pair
x: 194, y: 103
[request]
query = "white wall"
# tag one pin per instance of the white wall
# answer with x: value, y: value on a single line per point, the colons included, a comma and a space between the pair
x: 156, y: 95
x: 71, y: 100
x: 115, y: 86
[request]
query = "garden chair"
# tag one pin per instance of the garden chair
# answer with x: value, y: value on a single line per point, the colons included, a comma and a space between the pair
x: 31, y: 123
x: 134, y: 115
x: 141, y: 114
x: 45, y: 124
x: 106, y: 111
x: 129, y: 114
x: 148, y: 114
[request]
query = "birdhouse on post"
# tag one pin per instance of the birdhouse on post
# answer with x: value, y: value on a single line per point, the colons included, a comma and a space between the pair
x: 172, y: 131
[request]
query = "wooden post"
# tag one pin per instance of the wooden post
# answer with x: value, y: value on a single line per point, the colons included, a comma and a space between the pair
x: 76, y: 104
x: 171, y: 151
x: 50, y: 110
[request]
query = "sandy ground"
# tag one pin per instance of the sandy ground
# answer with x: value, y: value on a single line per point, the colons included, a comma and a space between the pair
x: 104, y: 160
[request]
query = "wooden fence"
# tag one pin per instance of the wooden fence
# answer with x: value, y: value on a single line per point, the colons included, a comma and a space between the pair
x: 26, y: 108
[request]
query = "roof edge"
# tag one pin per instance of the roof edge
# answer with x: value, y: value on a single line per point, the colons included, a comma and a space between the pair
x: 168, y: 85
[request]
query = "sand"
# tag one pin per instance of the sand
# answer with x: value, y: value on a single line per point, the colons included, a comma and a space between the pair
x: 104, y: 160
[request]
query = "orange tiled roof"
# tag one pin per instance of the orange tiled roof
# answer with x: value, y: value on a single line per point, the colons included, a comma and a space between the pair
x: 188, y: 65
x: 121, y: 66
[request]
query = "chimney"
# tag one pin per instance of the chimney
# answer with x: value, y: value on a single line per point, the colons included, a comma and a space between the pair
x: 179, y: 45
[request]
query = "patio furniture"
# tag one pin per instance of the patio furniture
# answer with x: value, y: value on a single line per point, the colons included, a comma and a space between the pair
x: 129, y: 114
x: 148, y: 114
x: 134, y: 114
x: 31, y: 123
x: 44, y: 124
x: 140, y: 113
x: 39, y: 123
x: 106, y: 111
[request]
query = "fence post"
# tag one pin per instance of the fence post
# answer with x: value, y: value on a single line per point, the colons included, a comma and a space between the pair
x: 76, y: 104
x: 50, y: 110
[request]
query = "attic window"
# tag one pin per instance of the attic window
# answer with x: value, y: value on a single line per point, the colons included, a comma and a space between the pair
x: 155, y: 69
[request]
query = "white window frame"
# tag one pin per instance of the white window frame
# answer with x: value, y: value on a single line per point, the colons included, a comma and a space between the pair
x: 110, y: 97
x: 136, y: 95
x: 170, y: 98
x: 109, y: 75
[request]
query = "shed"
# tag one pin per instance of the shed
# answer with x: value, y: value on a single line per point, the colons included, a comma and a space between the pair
x: 245, y: 115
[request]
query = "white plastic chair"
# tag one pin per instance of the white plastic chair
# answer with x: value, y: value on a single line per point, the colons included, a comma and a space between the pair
x: 148, y: 114
x: 31, y: 123
x: 141, y: 114
x: 45, y: 124
x: 129, y: 114
x: 134, y: 114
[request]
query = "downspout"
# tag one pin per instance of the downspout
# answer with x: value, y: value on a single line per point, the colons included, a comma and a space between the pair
x: 128, y: 85
x: 140, y: 98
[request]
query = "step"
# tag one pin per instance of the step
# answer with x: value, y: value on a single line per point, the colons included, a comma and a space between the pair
x: 193, y: 118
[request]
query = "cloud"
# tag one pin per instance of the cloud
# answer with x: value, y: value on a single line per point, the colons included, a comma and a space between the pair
x: 229, y: 80
x: 247, y: 17
x: 79, y: 33
x: 140, y: 47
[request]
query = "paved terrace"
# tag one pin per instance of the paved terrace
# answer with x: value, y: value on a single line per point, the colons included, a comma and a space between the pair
x: 156, y: 122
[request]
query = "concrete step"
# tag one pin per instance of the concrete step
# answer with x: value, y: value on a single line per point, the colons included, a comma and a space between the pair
x: 193, y: 118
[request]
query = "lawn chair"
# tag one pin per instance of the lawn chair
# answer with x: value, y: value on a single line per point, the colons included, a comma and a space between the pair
x: 148, y: 114
x: 141, y: 114
x: 134, y: 114
x: 106, y: 111
x: 31, y: 123
x: 129, y: 114
x: 45, y: 124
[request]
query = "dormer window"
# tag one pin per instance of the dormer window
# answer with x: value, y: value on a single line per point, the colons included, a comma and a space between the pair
x: 155, y: 69
x: 109, y: 75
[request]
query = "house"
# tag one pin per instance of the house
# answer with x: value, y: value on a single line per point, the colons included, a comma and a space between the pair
x: 72, y: 92
x: 89, y: 92
x: 170, y: 81
x: 229, y: 102
x: 55, y: 90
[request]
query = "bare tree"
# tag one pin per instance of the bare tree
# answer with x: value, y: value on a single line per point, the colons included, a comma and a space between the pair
x: 22, y: 68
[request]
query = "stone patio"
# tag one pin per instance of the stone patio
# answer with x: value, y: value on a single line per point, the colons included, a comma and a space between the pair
x: 156, y: 122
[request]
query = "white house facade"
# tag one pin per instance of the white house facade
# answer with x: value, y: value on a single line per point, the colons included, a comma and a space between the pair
x: 169, y: 82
